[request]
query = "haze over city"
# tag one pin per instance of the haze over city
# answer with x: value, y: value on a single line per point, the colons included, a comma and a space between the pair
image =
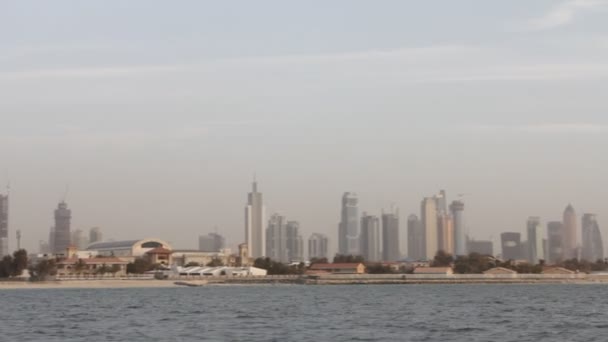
x: 151, y: 119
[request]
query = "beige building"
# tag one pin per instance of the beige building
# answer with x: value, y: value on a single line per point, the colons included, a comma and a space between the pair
x: 499, y: 270
x: 434, y: 270
x: 344, y: 268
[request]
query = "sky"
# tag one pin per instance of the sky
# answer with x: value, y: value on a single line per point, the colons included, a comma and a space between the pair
x: 151, y: 117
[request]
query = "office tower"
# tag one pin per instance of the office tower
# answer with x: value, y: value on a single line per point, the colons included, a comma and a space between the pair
x: 4, y: 226
x: 570, y: 233
x: 318, y: 246
x: 295, y: 248
x: 429, y: 224
x: 79, y: 240
x: 480, y: 247
x: 445, y: 233
x: 460, y: 240
x: 276, y: 238
x: 511, y: 246
x: 415, y: 239
x: 555, y: 233
x: 442, y: 202
x: 52, y: 240
x: 62, y: 237
x: 254, y: 223
x: 593, y: 245
x: 95, y: 235
x: 348, y: 232
x: 536, y: 241
x: 390, y: 236
x: 43, y: 247
x: 370, y: 238
x: 212, y: 242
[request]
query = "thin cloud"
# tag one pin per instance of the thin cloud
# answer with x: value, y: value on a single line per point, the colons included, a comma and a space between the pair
x: 565, y: 13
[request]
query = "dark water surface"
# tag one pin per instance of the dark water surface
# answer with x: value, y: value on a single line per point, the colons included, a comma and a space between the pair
x: 309, y: 313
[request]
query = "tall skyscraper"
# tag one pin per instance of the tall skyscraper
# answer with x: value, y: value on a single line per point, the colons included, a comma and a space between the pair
x: 370, y: 237
x: 63, y: 217
x: 4, y: 225
x: 480, y: 246
x: 255, y: 234
x: 555, y: 237
x: 348, y: 232
x: 415, y: 239
x: 390, y: 236
x: 79, y: 239
x: 429, y: 223
x: 460, y: 240
x: 276, y: 238
x: 536, y: 241
x: 318, y: 246
x: 442, y: 202
x: 52, y: 240
x: 570, y: 233
x: 95, y: 235
x: 593, y: 245
x: 212, y: 242
x: 445, y: 233
x: 511, y: 246
x: 295, y: 248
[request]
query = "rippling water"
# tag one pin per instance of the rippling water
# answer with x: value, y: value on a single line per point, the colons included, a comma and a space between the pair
x: 309, y: 313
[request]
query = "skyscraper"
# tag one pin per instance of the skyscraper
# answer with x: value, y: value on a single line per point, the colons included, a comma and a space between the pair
x: 295, y: 248
x: 415, y: 238
x: 276, y: 238
x: 318, y: 246
x: 511, y: 246
x: 445, y: 233
x: 348, y: 232
x: 212, y: 242
x: 480, y: 247
x: 390, y: 236
x: 593, y: 245
x: 95, y: 235
x: 570, y: 233
x: 255, y: 235
x: 536, y: 241
x: 429, y: 223
x: 555, y: 233
x: 460, y: 240
x: 62, y: 238
x: 4, y: 225
x: 79, y: 239
x: 370, y: 237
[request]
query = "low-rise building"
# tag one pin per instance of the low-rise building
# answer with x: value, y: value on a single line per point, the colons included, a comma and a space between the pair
x: 340, y: 268
x: 499, y: 270
x: 434, y: 270
x: 91, y: 266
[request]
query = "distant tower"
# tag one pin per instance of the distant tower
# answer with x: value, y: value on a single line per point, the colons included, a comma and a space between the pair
x: 255, y: 234
x: 460, y: 240
x: 348, y: 232
x: 570, y: 240
x: 555, y: 243
x: 445, y: 231
x: 318, y: 246
x: 212, y: 242
x: 4, y: 225
x: 295, y: 244
x: 63, y: 216
x: 79, y: 239
x: 511, y: 246
x: 429, y: 223
x: 536, y: 241
x: 370, y: 237
x: 18, y: 239
x: 276, y: 238
x: 95, y: 235
x: 593, y: 246
x: 415, y: 238
x: 390, y: 236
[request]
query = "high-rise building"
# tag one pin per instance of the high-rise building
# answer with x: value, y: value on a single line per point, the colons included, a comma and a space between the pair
x: 43, y: 247
x: 415, y: 239
x: 570, y: 233
x: 555, y: 238
x: 481, y: 247
x: 511, y: 246
x: 460, y: 240
x: 4, y: 226
x: 429, y: 223
x: 79, y: 239
x: 52, y: 240
x: 212, y: 242
x: 255, y: 234
x: 593, y: 245
x: 295, y: 248
x: 63, y: 217
x: 370, y: 237
x: 318, y: 246
x: 348, y: 232
x: 442, y: 202
x: 536, y: 241
x: 95, y: 235
x: 276, y: 238
x: 390, y: 236
x: 445, y: 233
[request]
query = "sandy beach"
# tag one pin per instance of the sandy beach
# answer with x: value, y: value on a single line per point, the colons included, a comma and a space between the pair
x: 87, y: 284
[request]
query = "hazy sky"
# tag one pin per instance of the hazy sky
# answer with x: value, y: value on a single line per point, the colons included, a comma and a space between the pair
x: 158, y: 113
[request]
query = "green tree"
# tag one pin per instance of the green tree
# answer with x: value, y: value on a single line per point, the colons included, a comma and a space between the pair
x: 6, y: 266
x: 19, y: 263
x: 79, y: 266
x: 192, y: 264
x: 115, y: 269
x: 215, y: 262
x: 318, y: 261
x: 44, y: 269
x: 103, y: 269
x: 139, y: 266
x: 349, y: 259
x: 378, y: 268
x: 442, y: 259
